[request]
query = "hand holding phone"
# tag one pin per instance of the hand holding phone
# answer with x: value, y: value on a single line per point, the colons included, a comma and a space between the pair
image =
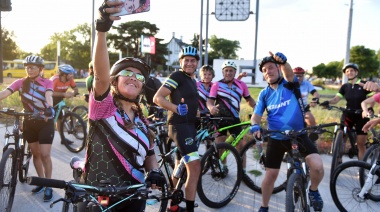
x: 133, y: 7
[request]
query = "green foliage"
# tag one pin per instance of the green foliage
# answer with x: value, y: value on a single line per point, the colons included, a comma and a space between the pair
x: 366, y: 59
x: 75, y: 47
x: 221, y: 47
x: 10, y: 49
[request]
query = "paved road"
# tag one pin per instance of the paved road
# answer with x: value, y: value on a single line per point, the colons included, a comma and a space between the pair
x: 245, y: 200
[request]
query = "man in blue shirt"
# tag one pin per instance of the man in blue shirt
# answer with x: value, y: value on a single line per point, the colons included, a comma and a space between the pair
x: 284, y: 113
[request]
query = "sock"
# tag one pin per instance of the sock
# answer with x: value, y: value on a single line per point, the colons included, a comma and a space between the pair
x: 189, y: 206
x: 312, y: 190
x: 173, y: 207
x: 264, y: 207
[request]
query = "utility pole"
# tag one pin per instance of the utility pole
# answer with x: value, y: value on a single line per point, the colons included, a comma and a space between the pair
x: 348, y: 45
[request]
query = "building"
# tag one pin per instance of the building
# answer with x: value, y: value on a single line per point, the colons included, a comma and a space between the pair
x: 174, y: 47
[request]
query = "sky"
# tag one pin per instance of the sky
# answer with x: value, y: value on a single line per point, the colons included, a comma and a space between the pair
x: 307, y: 32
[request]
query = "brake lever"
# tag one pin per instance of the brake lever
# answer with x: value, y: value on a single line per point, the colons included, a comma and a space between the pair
x: 59, y: 200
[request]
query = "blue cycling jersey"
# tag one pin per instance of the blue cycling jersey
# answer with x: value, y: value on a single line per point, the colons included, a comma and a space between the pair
x: 284, y: 112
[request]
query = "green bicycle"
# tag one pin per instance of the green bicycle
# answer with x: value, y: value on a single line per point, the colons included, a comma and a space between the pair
x: 73, y: 129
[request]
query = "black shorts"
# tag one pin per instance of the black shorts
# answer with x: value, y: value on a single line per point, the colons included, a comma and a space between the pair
x: 277, y: 148
x: 184, y: 137
x: 38, y: 130
x: 352, y: 119
x: 235, y: 130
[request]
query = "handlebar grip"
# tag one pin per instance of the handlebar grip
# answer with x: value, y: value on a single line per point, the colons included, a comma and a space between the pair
x: 38, y: 181
x: 328, y: 124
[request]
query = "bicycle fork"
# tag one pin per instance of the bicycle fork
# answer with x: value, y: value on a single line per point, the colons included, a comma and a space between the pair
x: 369, y: 182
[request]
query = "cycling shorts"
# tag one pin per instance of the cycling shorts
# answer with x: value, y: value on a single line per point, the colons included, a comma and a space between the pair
x: 235, y: 130
x: 183, y: 136
x: 351, y: 119
x: 38, y: 130
x: 277, y: 148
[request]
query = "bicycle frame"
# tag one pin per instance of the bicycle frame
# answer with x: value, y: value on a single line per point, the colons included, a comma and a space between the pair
x: 59, y: 108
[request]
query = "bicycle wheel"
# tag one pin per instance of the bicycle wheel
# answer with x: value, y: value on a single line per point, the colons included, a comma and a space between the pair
x: 255, y: 170
x: 372, y: 154
x: 8, y: 179
x: 218, y: 186
x: 337, y: 152
x: 153, y: 204
x: 82, y: 111
x: 73, y: 131
x: 295, y: 199
x: 346, y: 184
x: 26, y: 155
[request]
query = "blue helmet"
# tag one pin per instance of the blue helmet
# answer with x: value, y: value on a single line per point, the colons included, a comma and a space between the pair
x: 189, y: 51
x: 66, y: 69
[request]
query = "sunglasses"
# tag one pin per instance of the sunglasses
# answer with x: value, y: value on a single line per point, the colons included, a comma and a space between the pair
x: 129, y: 73
x: 299, y: 75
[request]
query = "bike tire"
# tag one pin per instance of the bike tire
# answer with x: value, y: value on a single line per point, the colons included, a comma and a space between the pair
x: 295, y: 199
x: 8, y: 179
x: 26, y: 156
x: 337, y: 152
x: 372, y: 154
x: 255, y: 171
x: 82, y: 111
x: 216, y: 188
x: 73, y: 129
x: 345, y: 185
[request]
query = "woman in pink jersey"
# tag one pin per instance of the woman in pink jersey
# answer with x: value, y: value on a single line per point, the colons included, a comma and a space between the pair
x: 120, y: 146
x: 367, y: 112
x: 36, y: 96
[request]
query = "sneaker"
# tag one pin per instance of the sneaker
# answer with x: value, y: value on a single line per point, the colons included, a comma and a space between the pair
x: 37, y: 189
x: 176, y: 208
x: 48, y: 194
x: 316, y: 200
x: 67, y: 141
x: 263, y: 209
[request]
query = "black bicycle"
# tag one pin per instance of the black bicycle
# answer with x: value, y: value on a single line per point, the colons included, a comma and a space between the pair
x: 298, y: 176
x: 15, y: 159
x: 82, y: 197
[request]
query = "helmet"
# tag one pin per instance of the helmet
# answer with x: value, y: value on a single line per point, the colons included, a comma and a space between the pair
x: 229, y: 63
x: 189, y: 51
x: 298, y: 70
x: 264, y: 61
x: 350, y: 65
x: 35, y: 60
x: 131, y: 62
x: 66, y: 69
x: 90, y: 64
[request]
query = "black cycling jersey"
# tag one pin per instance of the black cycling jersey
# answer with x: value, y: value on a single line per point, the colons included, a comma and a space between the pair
x: 354, y: 94
x: 183, y: 86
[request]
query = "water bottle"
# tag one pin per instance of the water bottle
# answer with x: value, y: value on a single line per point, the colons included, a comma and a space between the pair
x: 230, y: 138
x: 181, y: 167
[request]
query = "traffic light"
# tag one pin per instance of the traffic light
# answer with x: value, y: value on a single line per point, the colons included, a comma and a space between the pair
x: 5, y: 5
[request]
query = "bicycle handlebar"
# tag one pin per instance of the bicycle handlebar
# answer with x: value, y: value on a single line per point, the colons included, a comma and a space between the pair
x: 342, y: 109
x: 292, y: 133
x: 107, y: 190
x: 12, y: 112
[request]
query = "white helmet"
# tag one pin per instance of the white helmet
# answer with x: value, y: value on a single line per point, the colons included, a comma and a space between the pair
x: 35, y: 60
x: 229, y: 63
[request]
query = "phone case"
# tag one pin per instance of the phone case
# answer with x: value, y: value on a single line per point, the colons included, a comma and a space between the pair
x: 133, y: 7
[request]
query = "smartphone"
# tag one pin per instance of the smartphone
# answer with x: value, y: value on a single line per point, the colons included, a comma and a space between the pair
x: 133, y: 7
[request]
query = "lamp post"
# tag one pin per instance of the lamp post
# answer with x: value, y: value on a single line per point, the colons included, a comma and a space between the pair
x: 347, y: 58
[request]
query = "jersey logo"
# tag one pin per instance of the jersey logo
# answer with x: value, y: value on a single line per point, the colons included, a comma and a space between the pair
x: 282, y: 104
x: 189, y: 141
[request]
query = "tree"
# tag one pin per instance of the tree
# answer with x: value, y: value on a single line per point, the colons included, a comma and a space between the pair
x: 10, y: 49
x: 366, y: 59
x: 75, y: 47
x: 221, y: 47
x: 127, y: 40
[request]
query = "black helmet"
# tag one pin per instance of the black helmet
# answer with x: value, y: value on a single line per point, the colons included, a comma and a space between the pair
x: 266, y: 60
x: 350, y: 65
x: 34, y: 60
x: 131, y: 62
x: 189, y: 51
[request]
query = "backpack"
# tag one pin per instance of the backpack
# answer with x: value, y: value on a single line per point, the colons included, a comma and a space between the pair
x: 151, y: 88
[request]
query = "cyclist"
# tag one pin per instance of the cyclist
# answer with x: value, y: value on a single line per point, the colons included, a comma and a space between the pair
x: 224, y: 100
x: 306, y: 88
x: 354, y: 92
x: 182, y: 110
x: 206, y: 73
x: 120, y: 147
x: 284, y: 112
x: 152, y: 86
x: 61, y: 83
x: 90, y: 77
x: 36, y: 96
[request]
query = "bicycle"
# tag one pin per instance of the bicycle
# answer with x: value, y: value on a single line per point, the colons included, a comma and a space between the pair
x: 355, y: 186
x: 15, y: 159
x: 341, y: 137
x: 298, y: 176
x: 221, y: 166
x: 81, y: 197
x: 82, y: 110
x: 73, y: 130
